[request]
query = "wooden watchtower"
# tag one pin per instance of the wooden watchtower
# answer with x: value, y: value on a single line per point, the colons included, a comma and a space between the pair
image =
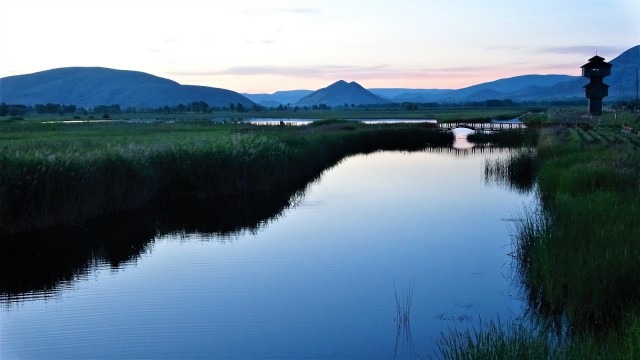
x: 596, y: 69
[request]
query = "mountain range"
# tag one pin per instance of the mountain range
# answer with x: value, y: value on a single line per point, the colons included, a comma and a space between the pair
x: 91, y: 86
x: 519, y: 88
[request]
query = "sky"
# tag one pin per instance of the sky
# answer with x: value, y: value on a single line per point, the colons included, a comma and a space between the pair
x: 262, y: 46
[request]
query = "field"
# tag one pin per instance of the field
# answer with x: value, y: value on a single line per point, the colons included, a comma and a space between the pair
x: 442, y: 114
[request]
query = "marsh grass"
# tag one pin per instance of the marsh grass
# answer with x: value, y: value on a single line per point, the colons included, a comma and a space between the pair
x: 60, y: 173
x: 515, y: 339
x: 516, y: 171
x: 494, y: 340
x: 506, y: 138
x: 576, y: 256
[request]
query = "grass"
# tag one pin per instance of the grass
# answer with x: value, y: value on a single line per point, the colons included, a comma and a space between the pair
x: 576, y: 254
x: 515, y: 339
x: 440, y: 113
x: 56, y: 173
x: 516, y: 171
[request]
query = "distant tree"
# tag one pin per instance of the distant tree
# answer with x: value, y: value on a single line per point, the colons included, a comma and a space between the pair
x: 232, y: 107
x: 17, y: 110
x: 240, y: 108
x: 52, y: 108
x: 409, y: 106
x: 40, y: 108
x: 4, y: 109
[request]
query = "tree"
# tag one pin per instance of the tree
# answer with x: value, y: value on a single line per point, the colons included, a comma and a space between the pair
x: 4, y: 109
x: 17, y: 110
x: 40, y: 109
x: 409, y: 106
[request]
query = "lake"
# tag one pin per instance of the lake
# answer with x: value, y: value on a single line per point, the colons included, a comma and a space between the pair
x: 318, y: 275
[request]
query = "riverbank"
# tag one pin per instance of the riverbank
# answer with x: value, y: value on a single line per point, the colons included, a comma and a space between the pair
x: 54, y: 173
x: 576, y: 255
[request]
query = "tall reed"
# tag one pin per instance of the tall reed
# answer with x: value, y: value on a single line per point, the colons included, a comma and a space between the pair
x: 52, y: 173
x: 516, y: 171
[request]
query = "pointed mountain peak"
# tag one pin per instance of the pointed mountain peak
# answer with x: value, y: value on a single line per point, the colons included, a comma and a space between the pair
x: 340, y: 93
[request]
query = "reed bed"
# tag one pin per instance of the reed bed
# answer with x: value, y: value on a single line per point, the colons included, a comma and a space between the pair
x: 508, y: 138
x: 516, y: 171
x: 62, y: 173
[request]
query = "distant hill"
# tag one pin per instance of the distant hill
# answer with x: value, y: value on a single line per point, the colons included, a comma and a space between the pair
x: 623, y: 74
x: 279, y: 97
x: 91, y: 86
x: 411, y: 95
x: 340, y: 93
x: 507, y: 88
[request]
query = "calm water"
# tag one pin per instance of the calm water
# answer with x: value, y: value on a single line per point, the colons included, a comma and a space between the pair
x: 253, y: 280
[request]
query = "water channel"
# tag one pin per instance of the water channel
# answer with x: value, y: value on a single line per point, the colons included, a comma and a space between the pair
x: 319, y: 275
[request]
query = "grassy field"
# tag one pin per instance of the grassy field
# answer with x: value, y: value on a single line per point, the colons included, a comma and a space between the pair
x: 577, y: 255
x: 52, y: 173
x: 441, y: 114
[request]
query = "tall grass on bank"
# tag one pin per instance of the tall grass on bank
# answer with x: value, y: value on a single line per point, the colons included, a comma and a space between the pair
x: 579, y: 254
x: 577, y: 258
x: 494, y: 340
x: 514, y: 339
x: 54, y: 173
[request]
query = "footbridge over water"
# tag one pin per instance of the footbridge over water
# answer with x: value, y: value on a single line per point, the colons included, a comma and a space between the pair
x: 507, y: 125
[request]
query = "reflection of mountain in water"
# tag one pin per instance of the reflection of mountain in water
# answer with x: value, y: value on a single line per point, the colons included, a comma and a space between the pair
x: 38, y: 264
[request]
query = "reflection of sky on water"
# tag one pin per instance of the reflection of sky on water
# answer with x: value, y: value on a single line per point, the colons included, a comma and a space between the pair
x: 460, y: 142
x: 317, y: 282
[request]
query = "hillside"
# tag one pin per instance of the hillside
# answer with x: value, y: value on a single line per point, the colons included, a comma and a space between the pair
x: 284, y: 97
x: 91, y: 86
x: 340, y: 93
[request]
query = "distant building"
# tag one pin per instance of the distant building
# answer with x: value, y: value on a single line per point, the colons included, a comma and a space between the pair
x: 596, y: 69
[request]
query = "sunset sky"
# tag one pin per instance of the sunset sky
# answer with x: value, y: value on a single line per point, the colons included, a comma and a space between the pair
x: 257, y: 46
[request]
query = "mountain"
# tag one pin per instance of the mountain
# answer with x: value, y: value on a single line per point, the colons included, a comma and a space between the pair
x: 519, y: 88
x: 278, y: 97
x: 91, y: 86
x: 410, y: 95
x: 340, y: 93
x: 624, y: 74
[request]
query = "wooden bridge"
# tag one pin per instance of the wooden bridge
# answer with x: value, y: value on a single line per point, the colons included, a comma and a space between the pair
x: 482, y: 126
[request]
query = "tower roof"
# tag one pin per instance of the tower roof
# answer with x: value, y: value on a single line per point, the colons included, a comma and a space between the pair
x: 597, y: 61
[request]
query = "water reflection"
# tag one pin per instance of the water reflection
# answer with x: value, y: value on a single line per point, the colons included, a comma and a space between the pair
x: 38, y: 264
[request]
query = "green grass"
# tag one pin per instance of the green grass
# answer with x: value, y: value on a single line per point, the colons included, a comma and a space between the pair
x: 576, y: 255
x: 515, y: 339
x: 61, y: 173
x: 516, y: 171
x: 442, y: 114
